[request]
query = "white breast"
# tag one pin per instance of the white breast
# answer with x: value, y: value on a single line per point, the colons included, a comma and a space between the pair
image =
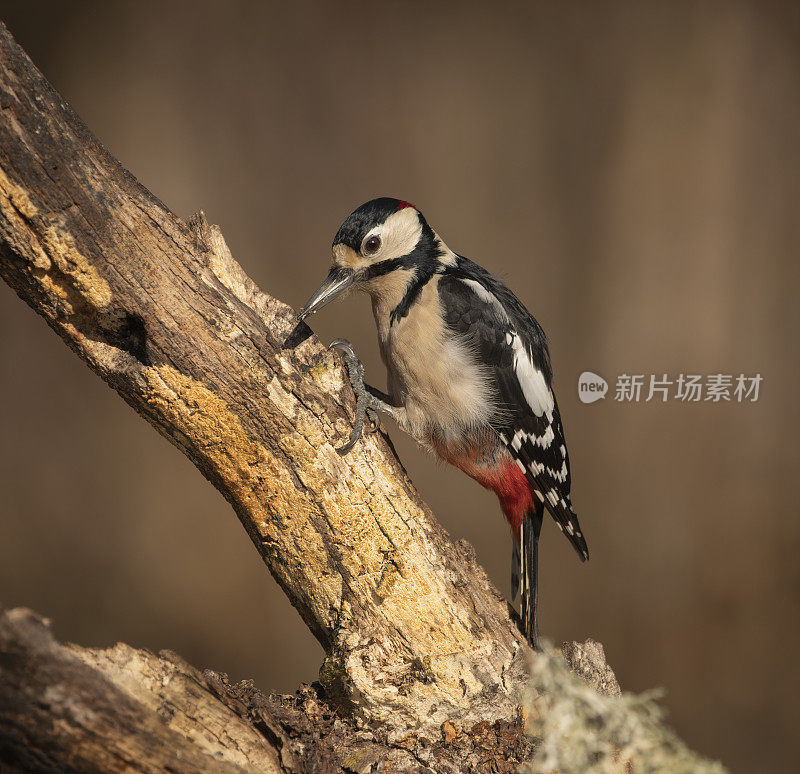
x: 433, y: 374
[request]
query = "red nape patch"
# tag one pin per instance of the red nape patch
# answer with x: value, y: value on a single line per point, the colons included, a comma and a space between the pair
x: 404, y: 204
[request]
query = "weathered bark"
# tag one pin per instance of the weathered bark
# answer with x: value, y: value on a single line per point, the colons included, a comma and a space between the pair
x: 424, y: 666
x: 414, y: 632
x: 65, y: 708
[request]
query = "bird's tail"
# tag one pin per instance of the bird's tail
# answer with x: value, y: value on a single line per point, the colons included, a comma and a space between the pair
x: 525, y: 572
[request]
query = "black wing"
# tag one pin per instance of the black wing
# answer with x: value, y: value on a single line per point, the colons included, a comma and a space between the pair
x: 512, y: 345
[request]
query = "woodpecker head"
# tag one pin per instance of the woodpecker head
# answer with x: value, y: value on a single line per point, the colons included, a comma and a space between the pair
x: 381, y: 239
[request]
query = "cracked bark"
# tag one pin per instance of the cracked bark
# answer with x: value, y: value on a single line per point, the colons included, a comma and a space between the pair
x: 65, y: 708
x: 414, y: 632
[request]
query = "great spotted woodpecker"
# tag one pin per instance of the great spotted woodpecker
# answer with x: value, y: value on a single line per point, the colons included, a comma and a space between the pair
x: 469, y: 373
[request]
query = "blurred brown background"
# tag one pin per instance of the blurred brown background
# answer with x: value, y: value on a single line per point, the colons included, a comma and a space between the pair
x: 632, y: 169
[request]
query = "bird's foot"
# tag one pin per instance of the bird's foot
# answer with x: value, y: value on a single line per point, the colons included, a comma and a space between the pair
x: 366, y: 403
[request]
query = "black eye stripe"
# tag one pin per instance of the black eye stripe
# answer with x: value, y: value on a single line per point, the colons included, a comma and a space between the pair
x: 383, y: 267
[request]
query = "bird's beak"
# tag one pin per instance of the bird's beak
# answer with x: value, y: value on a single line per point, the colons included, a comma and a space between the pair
x: 338, y: 280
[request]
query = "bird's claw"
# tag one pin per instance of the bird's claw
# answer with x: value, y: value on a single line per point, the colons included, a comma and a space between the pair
x: 374, y: 419
x: 365, y: 410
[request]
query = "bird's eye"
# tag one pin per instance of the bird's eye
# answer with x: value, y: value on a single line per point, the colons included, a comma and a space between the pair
x: 372, y: 245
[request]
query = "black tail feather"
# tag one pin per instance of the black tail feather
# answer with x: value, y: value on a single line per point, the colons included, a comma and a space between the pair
x: 516, y: 568
x: 530, y: 529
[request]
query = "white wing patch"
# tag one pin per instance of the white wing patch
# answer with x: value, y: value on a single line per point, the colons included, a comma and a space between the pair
x: 534, y: 386
x: 532, y: 381
x: 484, y: 295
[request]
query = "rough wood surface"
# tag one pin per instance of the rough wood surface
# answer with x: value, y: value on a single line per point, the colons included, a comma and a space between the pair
x: 414, y: 633
x: 65, y: 708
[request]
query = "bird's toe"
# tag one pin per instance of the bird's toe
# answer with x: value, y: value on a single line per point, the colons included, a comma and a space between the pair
x: 344, y: 345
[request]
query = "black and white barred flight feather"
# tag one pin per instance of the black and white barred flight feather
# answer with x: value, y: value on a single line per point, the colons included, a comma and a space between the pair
x: 512, y: 347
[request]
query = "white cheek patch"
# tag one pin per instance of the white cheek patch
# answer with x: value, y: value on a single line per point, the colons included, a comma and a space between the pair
x: 534, y: 386
x: 399, y: 234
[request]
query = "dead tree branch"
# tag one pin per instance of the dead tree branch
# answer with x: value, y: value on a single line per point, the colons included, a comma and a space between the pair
x: 66, y: 708
x: 414, y: 633
x: 419, y: 645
